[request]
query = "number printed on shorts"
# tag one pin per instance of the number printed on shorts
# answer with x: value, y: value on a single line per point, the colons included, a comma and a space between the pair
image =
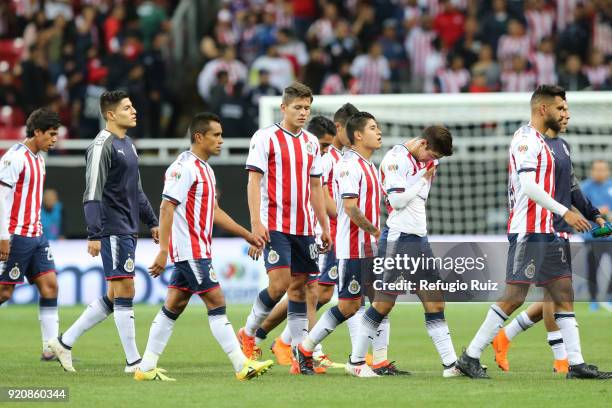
x: 313, y: 251
x: 563, y: 258
x: 49, y: 253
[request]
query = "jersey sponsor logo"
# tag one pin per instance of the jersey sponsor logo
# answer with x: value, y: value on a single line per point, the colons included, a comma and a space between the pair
x: 523, y: 148
x: 530, y: 270
x: 129, y: 265
x: 333, y: 272
x: 393, y: 167
x: 15, y: 272
x: 212, y: 275
x: 6, y: 162
x: 273, y: 257
x: 354, y: 287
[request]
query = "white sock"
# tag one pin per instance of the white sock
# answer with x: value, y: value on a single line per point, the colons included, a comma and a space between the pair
x: 49, y: 320
x: 323, y: 328
x: 297, y: 322
x: 96, y: 312
x: 223, y: 332
x: 520, y: 323
x: 353, y: 324
x: 366, y: 333
x: 261, y: 309
x: 438, y: 330
x: 380, y: 343
x: 571, y: 336
x: 286, y: 335
x: 318, y: 350
x: 124, y: 320
x: 490, y: 327
x: 555, y: 341
x: 159, y: 334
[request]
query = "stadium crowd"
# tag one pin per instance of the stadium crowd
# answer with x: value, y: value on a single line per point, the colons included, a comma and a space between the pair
x: 69, y: 51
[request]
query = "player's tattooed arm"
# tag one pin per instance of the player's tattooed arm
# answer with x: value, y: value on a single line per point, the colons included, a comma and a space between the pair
x: 355, y: 214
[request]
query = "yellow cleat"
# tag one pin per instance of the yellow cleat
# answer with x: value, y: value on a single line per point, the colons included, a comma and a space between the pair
x: 561, y: 366
x: 323, y: 361
x: 156, y: 374
x: 501, y: 344
x: 282, y: 352
x: 252, y: 369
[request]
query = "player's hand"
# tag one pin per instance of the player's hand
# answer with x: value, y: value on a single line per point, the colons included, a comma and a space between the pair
x: 377, y: 234
x: 429, y: 174
x: 159, y: 264
x: 326, y: 243
x: 93, y: 248
x: 255, y: 252
x: 261, y: 231
x: 256, y: 241
x: 577, y: 221
x: 600, y: 221
x: 5, y: 249
x: 155, y: 234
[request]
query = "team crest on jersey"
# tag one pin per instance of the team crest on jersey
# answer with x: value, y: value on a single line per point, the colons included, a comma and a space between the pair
x: 15, y: 272
x: 311, y: 149
x: 175, y: 175
x: 393, y: 167
x: 333, y: 272
x: 129, y: 265
x: 530, y: 270
x: 212, y: 275
x: 273, y: 257
x: 523, y: 148
x: 343, y: 173
x: 354, y: 287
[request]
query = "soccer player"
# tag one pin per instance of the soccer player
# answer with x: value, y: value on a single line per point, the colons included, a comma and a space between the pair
x: 189, y: 192
x: 356, y: 180
x: 24, y: 251
x: 535, y: 255
x: 284, y: 176
x: 568, y: 193
x: 114, y: 203
x: 406, y: 172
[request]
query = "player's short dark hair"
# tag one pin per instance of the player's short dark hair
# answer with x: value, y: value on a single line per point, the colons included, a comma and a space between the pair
x: 547, y: 92
x: 296, y: 90
x: 357, y: 122
x: 201, y: 123
x: 439, y: 140
x: 343, y: 114
x: 320, y: 126
x: 42, y: 119
x: 110, y: 99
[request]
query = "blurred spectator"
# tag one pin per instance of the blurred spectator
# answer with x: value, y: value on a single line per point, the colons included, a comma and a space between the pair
x: 571, y: 77
x: 321, y: 32
x: 393, y: 50
x: 436, y: 61
x: 225, y: 34
x: 280, y: 69
x: 543, y: 62
x: 365, y: 26
x: 51, y: 215
x: 35, y: 80
x: 235, y: 69
x: 487, y: 66
x: 304, y: 14
x: 293, y: 49
x: 470, y: 43
x: 156, y: 80
x: 152, y: 19
x: 249, y: 46
x: 479, y: 84
x: 219, y: 92
x: 449, y: 24
x: 597, y: 71
x: 315, y: 70
x: 233, y: 108
x: 540, y: 20
x: 263, y: 88
x: 9, y: 94
x: 341, y: 82
x: 454, y: 79
x: 516, y: 42
x: 112, y: 28
x: 371, y: 71
x: 344, y: 46
x: 495, y: 23
x: 418, y: 46
x: 519, y: 78
x: 575, y: 38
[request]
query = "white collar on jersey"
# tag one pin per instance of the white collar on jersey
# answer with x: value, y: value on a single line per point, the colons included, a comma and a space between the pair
x: 362, y: 158
x: 197, y: 158
x: 340, y: 152
x: 288, y: 132
x: 28, y: 149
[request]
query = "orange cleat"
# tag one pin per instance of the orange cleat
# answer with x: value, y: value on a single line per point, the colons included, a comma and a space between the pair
x: 369, y: 359
x: 561, y: 366
x: 281, y: 351
x: 247, y: 344
x: 501, y: 344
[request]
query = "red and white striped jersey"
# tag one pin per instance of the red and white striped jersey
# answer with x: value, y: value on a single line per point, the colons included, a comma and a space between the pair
x: 418, y: 46
x: 540, y: 24
x: 512, y: 81
x: 370, y: 73
x: 529, y: 152
x: 453, y: 81
x: 190, y: 184
x: 565, y: 12
x: 24, y: 172
x: 602, y: 35
x: 544, y: 65
x: 287, y: 161
x: 328, y: 164
x: 509, y: 46
x: 597, y: 75
x: 356, y: 177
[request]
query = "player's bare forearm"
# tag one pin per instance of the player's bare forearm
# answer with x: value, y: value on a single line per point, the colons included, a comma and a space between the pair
x: 330, y: 204
x: 317, y: 202
x: 166, y: 217
x: 355, y: 214
x: 254, y: 196
x: 223, y: 220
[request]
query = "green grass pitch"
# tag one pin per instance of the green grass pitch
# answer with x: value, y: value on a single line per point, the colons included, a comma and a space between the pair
x: 204, y: 375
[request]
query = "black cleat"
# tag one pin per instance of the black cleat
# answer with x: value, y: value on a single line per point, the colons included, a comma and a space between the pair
x: 471, y: 367
x: 587, y: 372
x: 302, y: 363
x: 390, y: 369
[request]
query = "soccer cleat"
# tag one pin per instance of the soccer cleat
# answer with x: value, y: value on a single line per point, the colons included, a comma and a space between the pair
x: 48, y: 355
x: 561, y: 366
x: 369, y: 359
x: 281, y: 351
x: 64, y: 355
x: 302, y: 362
x: 388, y: 368
x: 587, y: 372
x: 452, y: 371
x: 156, y: 374
x: 359, y: 370
x: 130, y: 368
x: 317, y: 367
x: 471, y: 367
x: 501, y: 344
x: 253, y: 368
x: 325, y: 361
x: 247, y: 344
